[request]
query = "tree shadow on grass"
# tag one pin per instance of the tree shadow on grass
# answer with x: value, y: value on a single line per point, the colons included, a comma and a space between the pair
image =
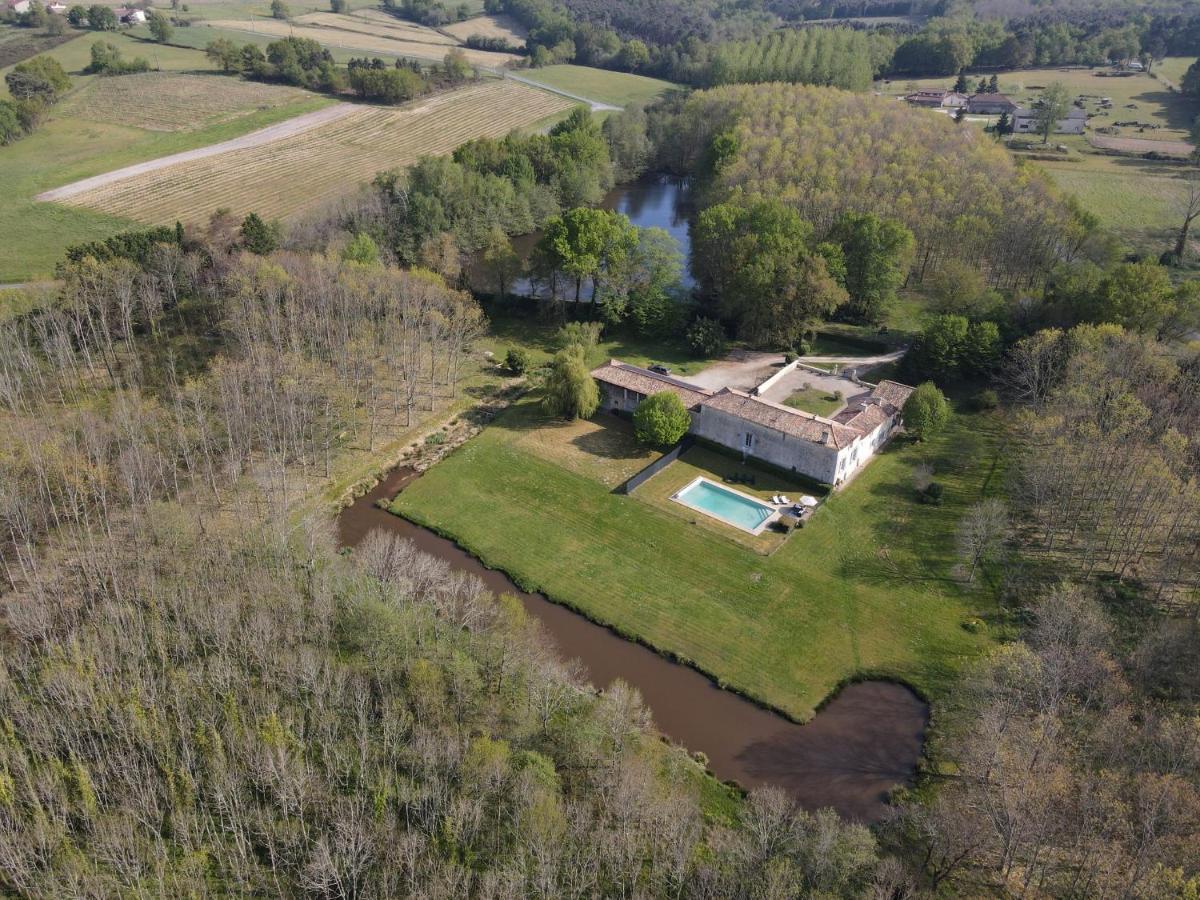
x: 610, y: 442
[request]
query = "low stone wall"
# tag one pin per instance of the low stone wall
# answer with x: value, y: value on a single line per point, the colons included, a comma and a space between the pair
x: 657, y: 466
x: 770, y: 382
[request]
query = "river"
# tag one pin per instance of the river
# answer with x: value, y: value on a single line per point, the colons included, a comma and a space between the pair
x: 654, y: 201
x: 861, y: 744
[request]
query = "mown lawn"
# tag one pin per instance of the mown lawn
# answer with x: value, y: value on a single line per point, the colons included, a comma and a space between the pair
x: 865, y: 589
x: 815, y: 401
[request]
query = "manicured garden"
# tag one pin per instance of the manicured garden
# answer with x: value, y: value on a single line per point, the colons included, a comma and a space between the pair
x: 864, y: 589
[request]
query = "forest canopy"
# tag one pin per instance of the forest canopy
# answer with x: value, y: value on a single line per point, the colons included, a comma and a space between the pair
x: 829, y: 153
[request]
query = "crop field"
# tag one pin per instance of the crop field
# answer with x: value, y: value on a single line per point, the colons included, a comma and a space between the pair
x: 302, y: 171
x: 501, y: 26
x: 174, y: 101
x: 374, y: 38
x: 373, y: 21
x: 17, y: 44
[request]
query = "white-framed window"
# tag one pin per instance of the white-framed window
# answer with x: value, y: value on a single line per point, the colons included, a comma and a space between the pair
x: 748, y: 442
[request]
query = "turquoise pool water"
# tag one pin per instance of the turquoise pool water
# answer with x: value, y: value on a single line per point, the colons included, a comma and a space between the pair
x: 730, y: 506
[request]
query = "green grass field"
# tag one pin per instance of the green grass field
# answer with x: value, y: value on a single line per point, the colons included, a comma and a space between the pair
x: 817, y: 402
x: 617, y: 88
x: 1173, y: 68
x: 1133, y: 197
x: 865, y: 589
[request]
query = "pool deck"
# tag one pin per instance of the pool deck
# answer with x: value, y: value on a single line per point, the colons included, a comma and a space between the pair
x: 773, y: 515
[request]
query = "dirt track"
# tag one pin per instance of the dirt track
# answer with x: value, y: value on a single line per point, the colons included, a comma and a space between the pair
x: 276, y: 132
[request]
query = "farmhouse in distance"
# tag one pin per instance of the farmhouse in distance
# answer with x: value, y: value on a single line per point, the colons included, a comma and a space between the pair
x: 828, y: 450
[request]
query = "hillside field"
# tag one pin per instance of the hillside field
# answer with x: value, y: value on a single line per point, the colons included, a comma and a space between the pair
x: 175, y: 101
x: 617, y: 88
x: 367, y: 35
x: 1134, y: 197
x: 68, y: 147
x: 326, y: 161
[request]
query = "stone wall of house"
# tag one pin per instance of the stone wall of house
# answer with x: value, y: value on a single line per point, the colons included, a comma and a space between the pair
x: 785, y: 451
x: 860, y: 452
x: 617, y: 398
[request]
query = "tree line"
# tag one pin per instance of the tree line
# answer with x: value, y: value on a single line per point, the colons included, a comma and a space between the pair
x: 305, y: 63
x: 707, y: 42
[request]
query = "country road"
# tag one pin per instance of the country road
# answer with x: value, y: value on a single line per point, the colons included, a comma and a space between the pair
x: 288, y: 128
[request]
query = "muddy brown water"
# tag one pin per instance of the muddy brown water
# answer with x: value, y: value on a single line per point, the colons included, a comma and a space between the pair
x: 862, y: 743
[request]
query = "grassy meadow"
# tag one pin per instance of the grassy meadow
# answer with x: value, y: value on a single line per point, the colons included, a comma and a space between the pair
x: 617, y: 88
x: 865, y: 589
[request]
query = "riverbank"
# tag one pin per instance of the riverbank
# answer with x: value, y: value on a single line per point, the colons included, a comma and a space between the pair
x: 866, y: 740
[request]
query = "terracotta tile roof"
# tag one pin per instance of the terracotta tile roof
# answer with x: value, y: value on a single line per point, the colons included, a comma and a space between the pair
x: 867, y: 418
x: 783, y: 419
x: 893, y: 393
x: 643, y: 381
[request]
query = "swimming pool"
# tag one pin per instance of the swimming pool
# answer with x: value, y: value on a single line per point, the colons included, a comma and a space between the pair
x: 730, y: 506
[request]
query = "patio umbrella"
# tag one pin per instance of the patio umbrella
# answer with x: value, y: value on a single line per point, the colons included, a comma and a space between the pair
x: 808, y: 501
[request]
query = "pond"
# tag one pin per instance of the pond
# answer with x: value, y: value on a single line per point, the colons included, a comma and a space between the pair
x: 655, y: 201
x: 864, y: 742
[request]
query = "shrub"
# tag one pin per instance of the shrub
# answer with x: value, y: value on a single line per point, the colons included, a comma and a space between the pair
x: 661, y: 419
x: 926, y: 412
x: 571, y: 392
x: 986, y: 399
x: 517, y: 361
x: 789, y: 358
x: 584, y: 335
x: 932, y: 494
x: 706, y: 337
x: 974, y: 625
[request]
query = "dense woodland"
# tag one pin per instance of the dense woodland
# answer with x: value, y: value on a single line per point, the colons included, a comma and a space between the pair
x: 707, y: 42
x: 848, y: 153
x: 200, y: 694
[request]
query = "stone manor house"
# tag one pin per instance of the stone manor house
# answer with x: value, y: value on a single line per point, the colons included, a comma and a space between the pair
x: 828, y: 450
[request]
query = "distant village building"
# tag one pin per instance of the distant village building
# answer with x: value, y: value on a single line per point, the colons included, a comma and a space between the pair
x: 128, y: 16
x: 990, y: 105
x: 827, y: 450
x: 1025, y: 122
x: 938, y: 99
x: 59, y: 9
x: 18, y: 7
